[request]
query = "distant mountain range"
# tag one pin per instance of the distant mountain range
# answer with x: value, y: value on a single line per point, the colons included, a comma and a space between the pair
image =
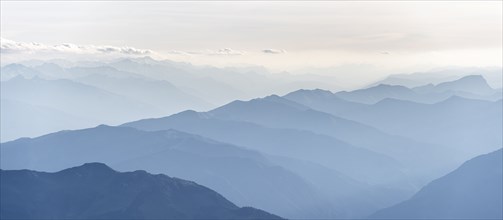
x: 309, y: 154
x: 473, y: 191
x: 178, y: 154
x: 358, y: 163
x: 155, y: 88
x: 277, y: 112
x: 82, y: 101
x: 95, y: 191
x: 436, y: 76
x: 473, y: 86
x: 472, y: 126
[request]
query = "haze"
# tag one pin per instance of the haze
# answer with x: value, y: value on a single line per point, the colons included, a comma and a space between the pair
x: 251, y: 110
x: 390, y: 37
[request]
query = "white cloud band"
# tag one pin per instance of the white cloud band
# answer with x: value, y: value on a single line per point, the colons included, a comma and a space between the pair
x: 9, y: 46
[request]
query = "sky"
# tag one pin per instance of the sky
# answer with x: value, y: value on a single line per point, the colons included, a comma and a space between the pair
x: 283, y: 36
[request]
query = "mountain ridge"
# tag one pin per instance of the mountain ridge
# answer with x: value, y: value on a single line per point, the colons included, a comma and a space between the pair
x: 96, y: 191
x: 472, y: 191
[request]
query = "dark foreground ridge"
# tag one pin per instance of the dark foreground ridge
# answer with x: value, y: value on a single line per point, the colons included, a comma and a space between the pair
x: 95, y: 191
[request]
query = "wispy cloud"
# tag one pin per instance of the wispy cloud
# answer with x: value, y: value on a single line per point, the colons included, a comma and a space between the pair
x: 273, y: 51
x: 16, y: 51
x: 10, y: 46
x: 223, y: 51
x: 208, y: 52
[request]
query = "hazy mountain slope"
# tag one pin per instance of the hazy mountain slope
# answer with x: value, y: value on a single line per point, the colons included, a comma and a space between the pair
x: 308, y: 150
x: 102, y: 69
x: 472, y: 86
x: 214, y: 85
x: 67, y: 104
x: 377, y: 93
x: 475, y: 84
x: 59, y: 88
x: 198, y: 84
x: 277, y: 112
x: 361, y: 164
x: 473, y: 126
x: 323, y: 100
x: 460, y: 122
x: 244, y: 177
x: 350, y: 197
x: 95, y: 191
x: 222, y: 85
x: 159, y: 93
x: 12, y: 70
x: 74, y: 98
x: 473, y: 191
x: 493, y: 75
x: 24, y: 120
x: 49, y: 70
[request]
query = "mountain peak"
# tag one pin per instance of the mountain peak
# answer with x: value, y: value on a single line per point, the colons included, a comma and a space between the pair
x: 104, y: 126
x: 473, y: 77
x: 14, y: 65
x: 380, y: 88
x: 95, y: 165
x: 475, y: 84
x: 280, y: 100
x: 191, y: 114
x: 387, y: 86
x: 49, y: 65
x: 90, y: 169
x: 310, y: 92
x: 273, y: 97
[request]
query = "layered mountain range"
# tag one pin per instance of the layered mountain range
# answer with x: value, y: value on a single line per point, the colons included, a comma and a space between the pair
x: 472, y: 191
x: 384, y: 151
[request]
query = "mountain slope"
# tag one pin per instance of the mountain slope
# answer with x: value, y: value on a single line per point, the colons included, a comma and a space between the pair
x: 95, y: 191
x: 493, y: 75
x: 475, y: 84
x: 13, y: 70
x: 75, y: 98
x: 194, y: 81
x: 358, y: 163
x: 470, y: 123
x: 464, y: 123
x: 158, y: 93
x: 377, y: 93
x: 277, y: 112
x: 338, y: 170
x: 228, y: 169
x: 26, y: 120
x: 473, y: 191
x: 323, y: 100
x: 472, y: 86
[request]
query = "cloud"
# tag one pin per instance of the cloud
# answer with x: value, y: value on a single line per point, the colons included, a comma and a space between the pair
x: 16, y: 51
x: 10, y: 46
x: 225, y: 51
x: 219, y: 52
x: 124, y: 50
x: 177, y: 52
x: 273, y: 51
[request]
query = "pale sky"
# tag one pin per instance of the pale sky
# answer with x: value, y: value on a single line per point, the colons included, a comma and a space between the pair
x: 279, y: 35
